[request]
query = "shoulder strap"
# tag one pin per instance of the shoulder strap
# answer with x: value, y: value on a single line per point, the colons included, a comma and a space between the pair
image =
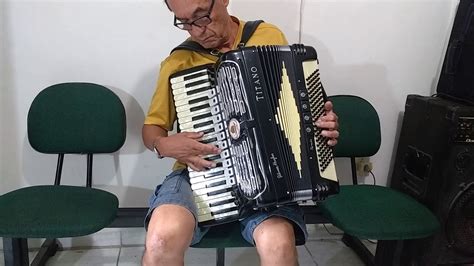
x: 249, y: 29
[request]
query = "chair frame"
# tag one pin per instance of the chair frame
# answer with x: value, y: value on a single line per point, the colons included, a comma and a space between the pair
x: 15, y: 250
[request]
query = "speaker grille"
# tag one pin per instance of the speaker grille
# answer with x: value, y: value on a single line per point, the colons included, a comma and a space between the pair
x: 460, y: 223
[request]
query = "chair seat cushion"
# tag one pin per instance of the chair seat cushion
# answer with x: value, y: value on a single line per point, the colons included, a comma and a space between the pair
x: 223, y: 236
x: 376, y: 212
x: 55, y: 211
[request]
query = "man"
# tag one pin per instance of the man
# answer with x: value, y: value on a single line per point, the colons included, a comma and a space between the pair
x: 171, y: 221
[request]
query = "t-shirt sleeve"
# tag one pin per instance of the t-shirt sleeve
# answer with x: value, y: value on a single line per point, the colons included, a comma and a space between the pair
x: 162, y: 111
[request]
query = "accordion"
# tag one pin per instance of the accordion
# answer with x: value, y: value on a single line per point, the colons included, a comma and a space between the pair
x: 257, y: 104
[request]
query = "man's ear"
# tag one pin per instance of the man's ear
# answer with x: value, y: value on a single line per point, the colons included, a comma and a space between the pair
x: 225, y: 2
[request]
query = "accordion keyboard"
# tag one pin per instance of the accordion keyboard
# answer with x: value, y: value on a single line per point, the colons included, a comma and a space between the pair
x: 212, y: 189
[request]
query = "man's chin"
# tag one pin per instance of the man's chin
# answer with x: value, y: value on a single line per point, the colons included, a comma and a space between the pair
x: 208, y: 44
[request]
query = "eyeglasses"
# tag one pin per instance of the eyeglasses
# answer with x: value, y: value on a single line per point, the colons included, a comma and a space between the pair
x: 199, y: 22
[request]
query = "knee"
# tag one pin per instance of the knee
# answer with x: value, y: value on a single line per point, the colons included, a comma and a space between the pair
x: 169, y: 235
x: 275, y: 237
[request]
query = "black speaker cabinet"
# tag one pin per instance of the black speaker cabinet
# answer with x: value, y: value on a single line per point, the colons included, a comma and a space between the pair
x: 457, y: 79
x: 435, y: 165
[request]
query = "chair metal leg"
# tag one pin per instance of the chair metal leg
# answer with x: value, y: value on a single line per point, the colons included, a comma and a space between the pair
x: 15, y: 251
x: 220, y: 256
x: 387, y: 252
x: 47, y: 250
x: 359, y: 248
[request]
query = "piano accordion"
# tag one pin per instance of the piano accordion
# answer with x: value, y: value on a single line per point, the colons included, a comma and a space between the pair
x: 257, y: 105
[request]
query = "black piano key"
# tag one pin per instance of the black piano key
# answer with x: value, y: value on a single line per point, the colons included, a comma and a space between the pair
x: 203, y: 124
x: 198, y: 90
x: 197, y: 108
x: 220, y: 183
x: 207, y: 131
x: 224, y: 210
x: 220, y: 191
x: 196, y: 83
x: 201, y: 116
x: 206, y: 141
x: 215, y: 174
x: 213, y: 158
x: 200, y: 99
x: 196, y: 75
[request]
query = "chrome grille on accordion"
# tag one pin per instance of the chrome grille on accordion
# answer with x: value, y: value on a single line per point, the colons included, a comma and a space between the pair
x: 257, y: 104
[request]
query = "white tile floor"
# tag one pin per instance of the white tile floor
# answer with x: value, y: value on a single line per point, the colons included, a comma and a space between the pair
x: 321, y: 249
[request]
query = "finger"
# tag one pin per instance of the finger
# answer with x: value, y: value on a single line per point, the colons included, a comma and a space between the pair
x: 205, y: 149
x: 194, y: 167
x: 193, y: 135
x: 331, y: 116
x: 202, y: 164
x: 328, y: 106
x: 327, y: 125
x: 332, y: 134
x: 332, y: 142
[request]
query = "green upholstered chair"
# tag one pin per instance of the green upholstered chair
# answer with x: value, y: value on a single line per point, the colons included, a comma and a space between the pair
x: 370, y: 211
x: 221, y: 237
x: 67, y: 118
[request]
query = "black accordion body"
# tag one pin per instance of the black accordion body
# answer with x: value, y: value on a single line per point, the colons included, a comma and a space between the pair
x: 257, y: 105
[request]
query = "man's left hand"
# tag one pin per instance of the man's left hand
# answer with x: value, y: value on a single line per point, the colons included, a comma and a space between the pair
x: 328, y: 123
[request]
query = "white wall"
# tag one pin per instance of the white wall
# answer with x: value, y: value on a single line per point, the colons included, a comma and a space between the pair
x: 381, y: 50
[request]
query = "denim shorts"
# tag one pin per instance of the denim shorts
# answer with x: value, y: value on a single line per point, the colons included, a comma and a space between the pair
x: 176, y: 190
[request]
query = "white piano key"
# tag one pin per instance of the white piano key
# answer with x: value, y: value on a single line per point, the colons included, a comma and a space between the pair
x: 191, y: 90
x: 206, y: 204
x: 181, y: 78
x: 188, y: 107
x: 208, y: 216
x: 224, y: 180
x: 216, y: 208
x: 211, y: 172
x: 187, y: 113
x: 201, y: 181
x: 191, y: 124
x: 176, y: 83
x: 211, y: 189
x: 205, y: 197
x: 184, y: 98
x: 227, y: 214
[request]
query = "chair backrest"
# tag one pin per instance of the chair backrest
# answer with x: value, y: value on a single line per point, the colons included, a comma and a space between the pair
x: 359, y: 127
x: 76, y: 117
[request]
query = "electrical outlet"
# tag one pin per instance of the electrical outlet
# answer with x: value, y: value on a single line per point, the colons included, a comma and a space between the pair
x: 363, y: 166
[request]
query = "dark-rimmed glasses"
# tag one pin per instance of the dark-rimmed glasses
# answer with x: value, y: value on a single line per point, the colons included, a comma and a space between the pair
x: 199, y: 22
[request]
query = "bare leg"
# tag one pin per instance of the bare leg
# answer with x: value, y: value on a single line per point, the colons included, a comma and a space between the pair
x: 275, y: 241
x: 170, y: 233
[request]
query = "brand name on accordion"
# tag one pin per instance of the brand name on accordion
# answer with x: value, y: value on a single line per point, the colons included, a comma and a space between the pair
x: 256, y: 83
x: 275, y: 164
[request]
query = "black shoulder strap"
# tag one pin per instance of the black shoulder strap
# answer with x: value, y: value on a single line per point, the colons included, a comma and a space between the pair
x: 249, y: 29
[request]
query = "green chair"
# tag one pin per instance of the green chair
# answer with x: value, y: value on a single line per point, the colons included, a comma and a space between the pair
x: 221, y: 237
x: 370, y: 211
x: 67, y: 118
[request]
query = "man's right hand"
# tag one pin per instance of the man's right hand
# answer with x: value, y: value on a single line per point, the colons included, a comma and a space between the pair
x: 186, y: 148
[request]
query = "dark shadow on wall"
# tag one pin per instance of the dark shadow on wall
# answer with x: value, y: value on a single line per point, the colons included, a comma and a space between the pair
x: 148, y: 171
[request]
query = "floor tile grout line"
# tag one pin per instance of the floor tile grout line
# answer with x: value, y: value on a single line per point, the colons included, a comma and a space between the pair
x: 311, y: 255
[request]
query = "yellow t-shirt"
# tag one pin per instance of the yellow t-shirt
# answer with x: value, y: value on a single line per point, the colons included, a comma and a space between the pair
x: 162, y: 110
